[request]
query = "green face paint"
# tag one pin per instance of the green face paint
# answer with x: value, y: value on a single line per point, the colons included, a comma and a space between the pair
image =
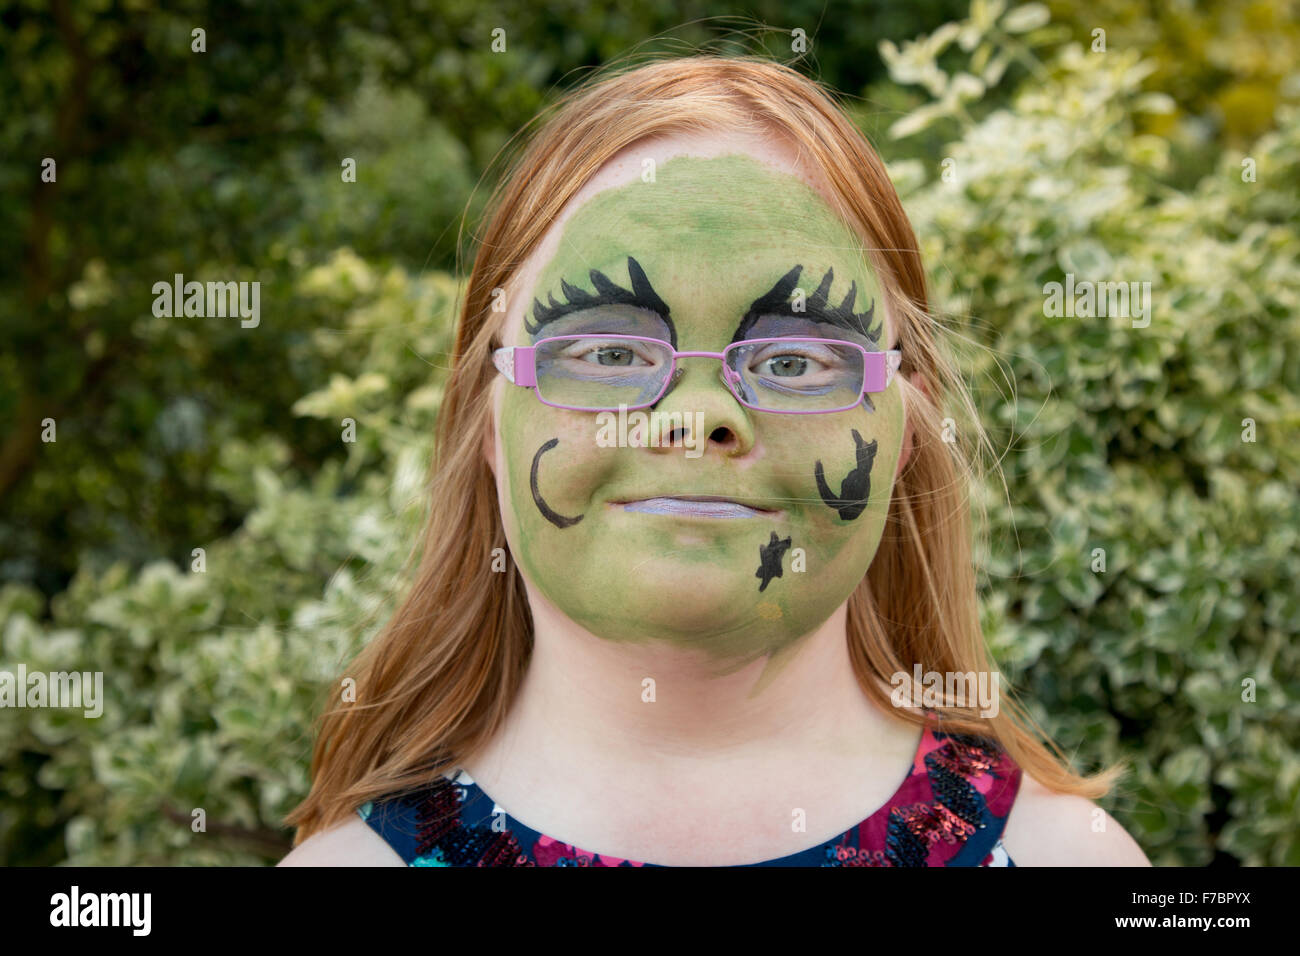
x: 705, y: 248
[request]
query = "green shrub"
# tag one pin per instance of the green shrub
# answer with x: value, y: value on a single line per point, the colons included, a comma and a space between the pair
x: 1135, y: 440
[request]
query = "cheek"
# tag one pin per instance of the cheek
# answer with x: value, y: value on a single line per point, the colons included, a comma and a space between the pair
x: 552, y: 465
x: 839, y: 471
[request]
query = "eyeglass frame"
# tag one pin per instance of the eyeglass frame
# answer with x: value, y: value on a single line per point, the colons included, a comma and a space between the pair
x: 518, y: 364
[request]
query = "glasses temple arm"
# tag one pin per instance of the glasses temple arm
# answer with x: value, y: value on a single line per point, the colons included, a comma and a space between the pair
x: 518, y: 364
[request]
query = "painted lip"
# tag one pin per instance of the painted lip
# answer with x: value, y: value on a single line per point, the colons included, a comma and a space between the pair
x: 698, y: 506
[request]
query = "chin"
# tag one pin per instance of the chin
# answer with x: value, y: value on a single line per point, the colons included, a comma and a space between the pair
x: 695, y: 607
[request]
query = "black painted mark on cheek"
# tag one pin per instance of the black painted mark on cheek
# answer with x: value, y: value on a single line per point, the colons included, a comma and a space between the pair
x: 769, y: 556
x: 559, y: 520
x: 855, y: 489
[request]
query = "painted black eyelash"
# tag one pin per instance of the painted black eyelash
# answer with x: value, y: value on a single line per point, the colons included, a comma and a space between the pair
x: 777, y: 302
x: 642, y: 295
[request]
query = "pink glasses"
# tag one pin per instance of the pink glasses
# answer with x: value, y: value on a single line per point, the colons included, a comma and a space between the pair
x: 792, y: 376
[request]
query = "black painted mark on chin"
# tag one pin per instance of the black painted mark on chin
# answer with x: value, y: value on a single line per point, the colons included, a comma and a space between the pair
x: 855, y: 489
x: 769, y: 556
x: 559, y: 520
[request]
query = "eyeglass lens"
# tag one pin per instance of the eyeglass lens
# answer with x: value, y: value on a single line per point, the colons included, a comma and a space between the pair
x: 791, y: 374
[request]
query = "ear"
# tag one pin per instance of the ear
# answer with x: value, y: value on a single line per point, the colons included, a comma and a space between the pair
x: 919, y: 384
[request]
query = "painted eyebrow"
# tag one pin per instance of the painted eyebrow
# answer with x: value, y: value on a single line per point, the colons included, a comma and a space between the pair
x: 642, y: 295
x: 777, y: 302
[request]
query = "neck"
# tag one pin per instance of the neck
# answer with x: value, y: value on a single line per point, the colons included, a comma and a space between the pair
x: 588, y: 702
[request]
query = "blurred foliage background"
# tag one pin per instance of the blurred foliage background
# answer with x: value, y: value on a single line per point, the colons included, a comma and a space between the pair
x: 1025, y: 146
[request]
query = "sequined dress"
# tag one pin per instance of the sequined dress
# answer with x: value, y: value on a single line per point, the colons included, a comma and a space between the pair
x: 950, y: 810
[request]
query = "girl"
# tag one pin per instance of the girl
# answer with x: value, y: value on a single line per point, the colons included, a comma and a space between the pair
x: 696, y: 583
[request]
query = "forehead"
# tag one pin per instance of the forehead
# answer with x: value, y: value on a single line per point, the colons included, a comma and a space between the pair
x: 712, y: 232
x: 713, y: 200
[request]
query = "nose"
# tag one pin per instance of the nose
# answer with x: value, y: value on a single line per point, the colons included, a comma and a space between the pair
x: 703, y: 400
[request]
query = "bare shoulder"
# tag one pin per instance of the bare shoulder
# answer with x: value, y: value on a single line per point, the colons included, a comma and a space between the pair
x: 1046, y: 828
x: 352, y: 843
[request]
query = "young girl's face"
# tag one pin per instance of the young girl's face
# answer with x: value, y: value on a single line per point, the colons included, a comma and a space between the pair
x: 707, y: 250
